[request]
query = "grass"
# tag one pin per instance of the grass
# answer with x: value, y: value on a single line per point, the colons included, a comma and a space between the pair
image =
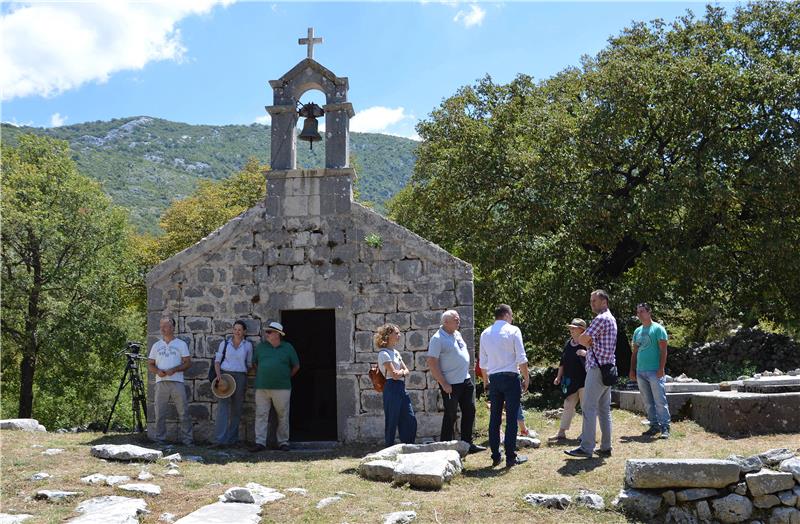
x: 481, y: 493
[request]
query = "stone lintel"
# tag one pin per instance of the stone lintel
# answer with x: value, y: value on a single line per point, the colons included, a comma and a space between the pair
x: 310, y: 173
x: 277, y: 110
x: 342, y: 106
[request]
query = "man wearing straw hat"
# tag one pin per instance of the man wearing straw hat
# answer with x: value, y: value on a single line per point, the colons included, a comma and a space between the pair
x: 276, y: 363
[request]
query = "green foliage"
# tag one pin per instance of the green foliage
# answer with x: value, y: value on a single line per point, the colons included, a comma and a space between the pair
x: 65, y: 274
x: 664, y: 169
x: 374, y: 240
x: 145, y: 163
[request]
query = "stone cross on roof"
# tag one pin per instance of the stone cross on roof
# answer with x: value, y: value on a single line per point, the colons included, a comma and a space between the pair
x: 310, y: 41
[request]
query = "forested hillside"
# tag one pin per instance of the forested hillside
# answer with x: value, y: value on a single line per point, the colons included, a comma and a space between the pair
x: 144, y: 163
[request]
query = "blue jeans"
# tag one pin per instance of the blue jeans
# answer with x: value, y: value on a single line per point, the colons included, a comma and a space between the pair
x: 229, y: 412
x: 505, y: 388
x: 654, y: 397
x: 398, y: 413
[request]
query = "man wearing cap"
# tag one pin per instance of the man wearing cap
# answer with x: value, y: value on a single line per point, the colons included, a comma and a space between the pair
x: 647, y: 368
x: 168, y: 359
x: 503, y: 359
x: 276, y: 363
x: 600, y: 341
x: 448, y: 360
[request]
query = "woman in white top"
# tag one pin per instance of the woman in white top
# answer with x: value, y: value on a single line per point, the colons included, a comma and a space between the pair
x: 397, y: 410
x: 238, y: 354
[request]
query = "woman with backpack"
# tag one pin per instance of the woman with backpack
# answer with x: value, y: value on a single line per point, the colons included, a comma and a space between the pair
x: 397, y: 409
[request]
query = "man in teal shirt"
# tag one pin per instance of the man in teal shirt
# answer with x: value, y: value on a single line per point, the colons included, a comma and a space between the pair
x: 276, y: 363
x: 647, y: 369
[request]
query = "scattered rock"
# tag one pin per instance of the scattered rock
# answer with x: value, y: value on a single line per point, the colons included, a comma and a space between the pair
x: 223, y: 512
x: 590, y: 499
x: 53, y: 495
x: 747, y: 464
x: 528, y: 442
x: 766, y: 501
x: 733, y: 508
x: 427, y: 470
x: 8, y: 518
x: 688, y: 495
x: 553, y: 413
x: 144, y: 475
x: 94, y: 478
x: 22, y: 424
x: 297, y: 491
x: 252, y: 493
x: 548, y: 501
x: 685, y: 473
x: 380, y: 470
x: 785, y: 516
x: 52, y: 451
x: 399, y: 517
x: 125, y: 452
x: 345, y: 494
x: 392, y: 452
x: 110, y: 510
x: 791, y: 465
x: 175, y: 457
x: 173, y: 472
x: 767, y: 481
x: 775, y: 456
x: 669, y: 497
x: 637, y: 503
x: 40, y: 476
x: 147, y: 489
x: 166, y: 517
x: 34, y: 446
x: 327, y: 501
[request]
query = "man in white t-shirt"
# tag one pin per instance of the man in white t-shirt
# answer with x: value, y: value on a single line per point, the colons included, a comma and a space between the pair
x: 168, y: 359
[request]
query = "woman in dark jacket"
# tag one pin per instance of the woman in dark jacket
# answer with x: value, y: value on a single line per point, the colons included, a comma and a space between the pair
x: 571, y: 376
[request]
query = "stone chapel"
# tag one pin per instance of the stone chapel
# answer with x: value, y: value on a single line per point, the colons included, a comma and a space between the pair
x: 329, y: 269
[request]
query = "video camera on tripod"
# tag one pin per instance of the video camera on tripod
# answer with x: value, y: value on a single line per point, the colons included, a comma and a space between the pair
x: 132, y: 375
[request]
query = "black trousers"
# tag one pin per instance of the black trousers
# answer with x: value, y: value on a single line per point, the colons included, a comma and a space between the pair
x: 463, y: 396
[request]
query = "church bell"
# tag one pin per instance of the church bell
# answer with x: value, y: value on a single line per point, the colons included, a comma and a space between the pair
x: 310, y: 132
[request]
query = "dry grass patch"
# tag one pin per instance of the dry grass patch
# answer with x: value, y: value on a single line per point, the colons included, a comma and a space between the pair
x: 481, y: 493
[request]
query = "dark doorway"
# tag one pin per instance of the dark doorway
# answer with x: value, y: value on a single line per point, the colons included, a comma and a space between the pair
x: 313, y: 405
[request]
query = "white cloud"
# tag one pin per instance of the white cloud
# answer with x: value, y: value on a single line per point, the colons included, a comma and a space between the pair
x: 50, y: 48
x: 56, y: 120
x: 264, y: 119
x: 472, y: 18
x: 378, y: 119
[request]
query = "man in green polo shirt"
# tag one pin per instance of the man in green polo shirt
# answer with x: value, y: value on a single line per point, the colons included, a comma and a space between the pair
x: 276, y: 363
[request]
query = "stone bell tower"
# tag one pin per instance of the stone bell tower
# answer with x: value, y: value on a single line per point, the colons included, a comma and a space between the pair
x: 298, y: 192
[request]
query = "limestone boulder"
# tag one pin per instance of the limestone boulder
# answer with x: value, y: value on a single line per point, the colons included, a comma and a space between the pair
x: 54, y: 495
x: 766, y: 501
x: 733, y: 508
x: 327, y: 501
x: 141, y: 487
x: 22, y: 424
x: 392, y: 452
x: 590, y: 500
x: 400, y: 517
x: 775, y: 456
x: 677, y: 473
x: 110, y: 510
x: 380, y: 470
x: 427, y: 470
x: 788, y: 498
x: 767, y: 481
x: 252, y: 493
x: 548, y: 501
x: 638, y: 504
x: 747, y: 464
x: 792, y: 465
x: 15, y: 518
x: 528, y: 442
x: 224, y: 513
x: 42, y: 475
x: 127, y: 452
x: 785, y: 516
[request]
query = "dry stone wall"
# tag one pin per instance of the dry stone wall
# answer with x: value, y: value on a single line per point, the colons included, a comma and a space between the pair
x: 306, y: 250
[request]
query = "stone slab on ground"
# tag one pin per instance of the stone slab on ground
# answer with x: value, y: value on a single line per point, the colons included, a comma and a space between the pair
x: 125, y: 452
x: 528, y: 442
x: 427, y: 470
x: 766, y: 481
x: 40, y: 476
x: 380, y: 470
x: 52, y: 451
x: 22, y: 424
x: 733, y: 508
x: 224, y: 513
x: 680, y: 473
x: 545, y: 500
x: 590, y: 500
x: 54, y: 495
x: 638, y: 504
x: 252, y: 493
x: 110, y: 510
x: 392, y: 452
x: 141, y: 487
x: 399, y: 517
x: 9, y: 518
x: 327, y: 501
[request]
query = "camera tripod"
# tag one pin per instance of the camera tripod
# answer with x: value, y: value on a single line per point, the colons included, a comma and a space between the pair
x: 133, y: 376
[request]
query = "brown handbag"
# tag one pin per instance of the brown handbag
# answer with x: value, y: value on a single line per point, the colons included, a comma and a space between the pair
x: 378, y: 380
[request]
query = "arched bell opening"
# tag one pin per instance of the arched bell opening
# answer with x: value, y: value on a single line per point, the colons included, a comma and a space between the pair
x: 310, y: 130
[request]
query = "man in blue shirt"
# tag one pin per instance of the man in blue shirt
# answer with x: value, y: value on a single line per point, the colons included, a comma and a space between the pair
x: 449, y: 362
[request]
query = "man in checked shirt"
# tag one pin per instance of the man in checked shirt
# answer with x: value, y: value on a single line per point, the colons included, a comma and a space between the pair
x: 601, y: 340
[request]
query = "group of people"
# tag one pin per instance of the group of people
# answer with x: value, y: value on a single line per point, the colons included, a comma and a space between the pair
x: 274, y: 361
x: 583, y: 376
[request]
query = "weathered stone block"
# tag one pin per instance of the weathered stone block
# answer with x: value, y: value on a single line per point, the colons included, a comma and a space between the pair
x: 766, y: 501
x: 291, y: 256
x: 686, y: 473
x: 408, y: 269
x: 688, y: 495
x: 465, y: 291
x: 243, y: 275
x: 198, y: 369
x: 416, y: 380
x: 303, y: 272
x: 371, y: 401
x: 416, y: 340
x: 767, y: 481
x: 363, y: 341
x: 417, y: 399
x: 785, y: 516
x: 638, y: 504
x: 369, y: 321
x: 329, y: 299
x: 402, y: 320
x: 733, y: 508
x: 198, y: 324
x: 411, y: 302
x: 426, y: 319
x: 199, y: 411
x: 443, y: 300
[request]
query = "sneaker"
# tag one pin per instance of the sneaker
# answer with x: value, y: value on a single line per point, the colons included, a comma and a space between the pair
x: 525, y: 432
x: 556, y: 438
x: 284, y: 447
x: 578, y: 452
x: 258, y: 448
x: 519, y: 459
x: 652, y: 432
x: 604, y: 453
x: 474, y: 448
x: 664, y: 433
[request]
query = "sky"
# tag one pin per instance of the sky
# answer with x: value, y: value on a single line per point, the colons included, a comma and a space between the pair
x: 210, y: 61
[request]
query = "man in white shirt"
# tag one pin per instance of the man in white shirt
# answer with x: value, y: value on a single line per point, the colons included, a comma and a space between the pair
x: 168, y: 359
x: 503, y: 360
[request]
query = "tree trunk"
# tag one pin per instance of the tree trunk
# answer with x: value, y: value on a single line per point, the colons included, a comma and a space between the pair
x: 27, y: 369
x: 31, y: 345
